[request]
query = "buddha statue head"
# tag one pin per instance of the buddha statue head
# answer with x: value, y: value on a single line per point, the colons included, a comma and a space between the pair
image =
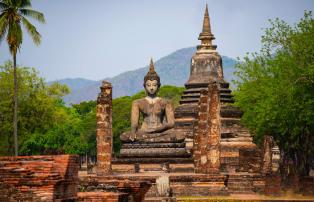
x: 151, y: 81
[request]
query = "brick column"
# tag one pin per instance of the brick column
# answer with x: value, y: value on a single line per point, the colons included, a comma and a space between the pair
x: 207, y: 132
x: 104, y: 129
x: 213, y: 144
x: 200, y: 135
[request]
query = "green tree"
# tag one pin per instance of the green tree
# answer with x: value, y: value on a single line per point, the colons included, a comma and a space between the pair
x: 13, y: 13
x: 275, y: 90
x: 73, y: 131
x: 40, y: 105
x: 87, y: 113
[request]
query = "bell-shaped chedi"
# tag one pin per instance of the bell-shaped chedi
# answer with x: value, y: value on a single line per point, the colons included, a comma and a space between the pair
x: 206, y: 64
x: 207, y: 72
x: 206, y: 67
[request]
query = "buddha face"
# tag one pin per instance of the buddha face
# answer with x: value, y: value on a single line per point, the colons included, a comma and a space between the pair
x: 151, y: 87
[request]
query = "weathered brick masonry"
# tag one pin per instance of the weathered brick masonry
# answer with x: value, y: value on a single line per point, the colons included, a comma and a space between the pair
x: 38, y: 178
x: 104, y: 129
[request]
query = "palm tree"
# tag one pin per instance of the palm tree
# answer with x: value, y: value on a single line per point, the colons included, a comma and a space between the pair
x: 13, y: 13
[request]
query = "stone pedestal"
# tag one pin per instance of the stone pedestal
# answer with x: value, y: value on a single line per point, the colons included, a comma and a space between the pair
x: 104, y: 129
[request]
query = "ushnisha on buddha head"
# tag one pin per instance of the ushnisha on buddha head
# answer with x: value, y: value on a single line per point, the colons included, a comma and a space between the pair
x: 151, y: 81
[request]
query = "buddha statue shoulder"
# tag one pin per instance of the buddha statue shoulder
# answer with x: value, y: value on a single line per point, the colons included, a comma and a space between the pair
x: 157, y: 113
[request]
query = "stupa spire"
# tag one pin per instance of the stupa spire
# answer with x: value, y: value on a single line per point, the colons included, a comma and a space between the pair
x: 206, y: 22
x: 206, y: 35
x: 151, y: 74
x: 151, y: 66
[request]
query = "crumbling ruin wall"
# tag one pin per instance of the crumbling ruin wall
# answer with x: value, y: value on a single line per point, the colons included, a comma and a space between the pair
x: 249, y: 160
x: 38, y: 178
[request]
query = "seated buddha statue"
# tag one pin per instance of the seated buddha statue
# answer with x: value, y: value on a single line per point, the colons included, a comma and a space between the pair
x: 158, y: 115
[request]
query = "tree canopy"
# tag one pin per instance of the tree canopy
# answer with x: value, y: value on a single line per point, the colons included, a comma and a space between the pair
x: 48, y: 126
x: 13, y: 14
x: 38, y: 105
x: 275, y: 89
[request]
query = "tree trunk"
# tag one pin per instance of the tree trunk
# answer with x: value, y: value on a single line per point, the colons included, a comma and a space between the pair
x: 15, y: 107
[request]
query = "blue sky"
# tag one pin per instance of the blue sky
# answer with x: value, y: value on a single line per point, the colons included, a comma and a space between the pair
x: 101, y: 38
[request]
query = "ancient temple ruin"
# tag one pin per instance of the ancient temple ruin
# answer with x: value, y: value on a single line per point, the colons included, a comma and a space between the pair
x: 209, y: 151
x: 217, y: 156
x: 210, y: 124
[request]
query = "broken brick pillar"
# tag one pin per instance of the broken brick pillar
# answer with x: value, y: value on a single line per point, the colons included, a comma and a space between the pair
x: 104, y: 129
x: 213, y: 144
x: 207, y: 132
x: 200, y: 136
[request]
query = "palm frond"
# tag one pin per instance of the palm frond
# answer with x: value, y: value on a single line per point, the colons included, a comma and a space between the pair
x: 3, y: 31
x: 22, y: 3
x: 3, y: 5
x: 33, y: 14
x: 14, y: 37
x: 31, y: 29
x: 3, y: 25
x: 26, y: 3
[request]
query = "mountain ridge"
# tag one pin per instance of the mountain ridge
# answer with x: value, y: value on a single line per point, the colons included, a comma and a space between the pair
x: 173, y: 69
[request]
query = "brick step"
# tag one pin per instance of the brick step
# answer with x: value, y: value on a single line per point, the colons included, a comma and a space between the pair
x: 198, y: 189
x: 227, y: 122
x: 234, y: 135
x: 101, y: 196
x: 182, y: 168
x: 205, y: 85
x: 185, y: 120
x: 242, y: 192
x: 180, y: 115
x: 237, y: 139
x: 225, y: 95
x: 230, y: 132
x: 240, y: 184
x: 132, y: 160
x: 153, y: 152
x: 225, y: 90
x: 226, y: 100
x: 153, y: 167
x: 244, y: 134
x: 196, y: 85
x: 189, y: 101
x: 153, y: 145
x: 193, y: 90
x: 184, y: 126
x: 186, y: 110
x: 191, y: 95
x: 240, y: 189
x: 186, y: 107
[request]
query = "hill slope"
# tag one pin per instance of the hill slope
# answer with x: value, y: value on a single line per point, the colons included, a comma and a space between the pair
x: 173, y: 69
